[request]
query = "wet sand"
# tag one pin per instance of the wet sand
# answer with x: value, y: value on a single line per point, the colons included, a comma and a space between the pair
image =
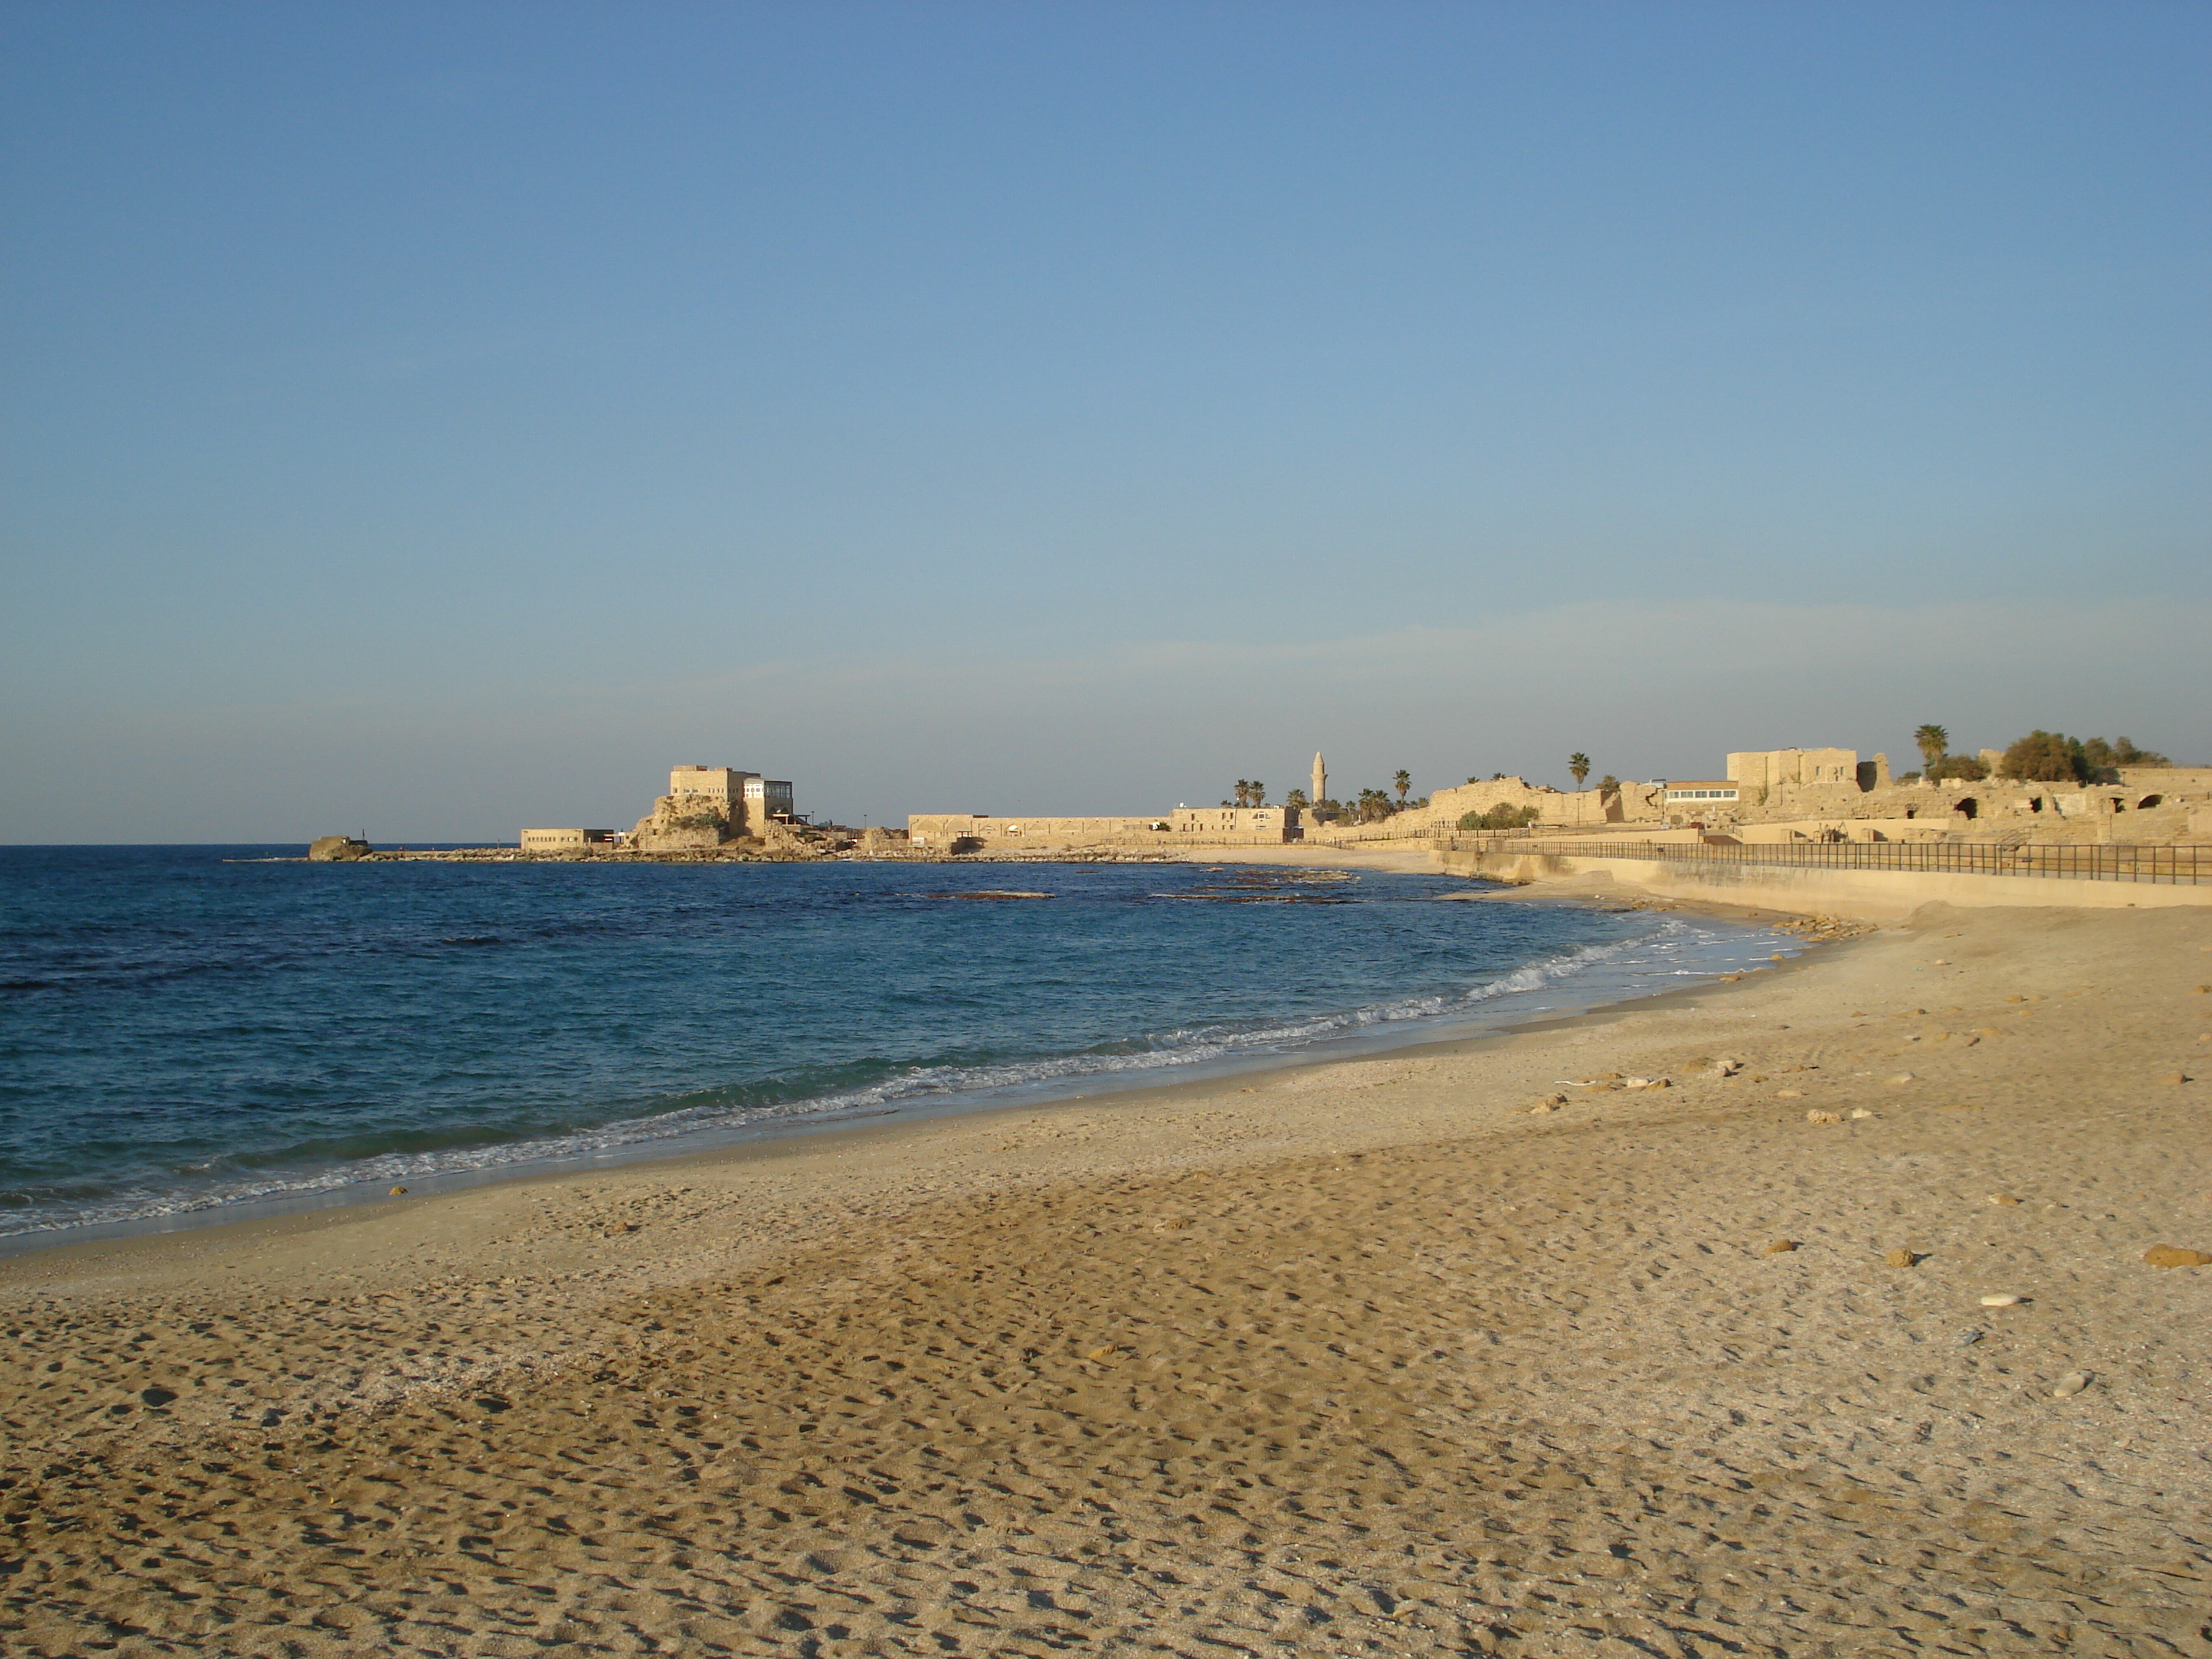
x: 1361, y: 1358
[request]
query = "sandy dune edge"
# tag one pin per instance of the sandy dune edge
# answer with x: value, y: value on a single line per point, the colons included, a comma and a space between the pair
x: 1357, y: 1359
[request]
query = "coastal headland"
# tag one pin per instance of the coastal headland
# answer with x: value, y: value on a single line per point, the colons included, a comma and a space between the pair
x: 1849, y: 1340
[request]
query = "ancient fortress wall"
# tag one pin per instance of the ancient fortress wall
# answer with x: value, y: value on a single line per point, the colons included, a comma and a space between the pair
x: 1185, y: 827
x: 940, y: 832
x: 1770, y: 769
x: 721, y: 784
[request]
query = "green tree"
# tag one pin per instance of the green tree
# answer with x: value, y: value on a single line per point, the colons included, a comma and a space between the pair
x: 1259, y: 793
x: 1404, y: 783
x: 1933, y: 742
x: 1500, y: 818
x: 1578, y: 764
x: 2046, y: 757
x: 1968, y: 767
x: 1296, y: 798
x: 2105, y: 759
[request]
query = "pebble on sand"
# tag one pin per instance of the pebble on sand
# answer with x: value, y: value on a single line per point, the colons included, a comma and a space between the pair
x: 1902, y: 1259
x: 399, y: 1191
x: 1781, y: 1247
x: 1650, y: 1083
x: 1789, y: 1094
x: 2004, y: 1301
x: 2173, y: 1255
x: 1860, y: 1112
x: 1816, y: 1115
x: 1543, y: 1106
x: 1904, y: 1077
x: 2175, y: 1077
x: 2071, y: 1384
x: 2003, y: 1198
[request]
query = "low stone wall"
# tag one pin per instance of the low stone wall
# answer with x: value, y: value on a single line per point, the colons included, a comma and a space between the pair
x: 1868, y: 894
x: 1171, y: 833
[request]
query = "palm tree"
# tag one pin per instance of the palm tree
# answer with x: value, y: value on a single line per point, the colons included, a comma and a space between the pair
x: 1244, y: 792
x: 1934, y: 743
x: 1404, y: 783
x: 1578, y: 764
x: 1259, y: 793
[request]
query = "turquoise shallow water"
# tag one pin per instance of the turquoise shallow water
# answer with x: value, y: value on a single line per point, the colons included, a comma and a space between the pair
x: 183, y: 1028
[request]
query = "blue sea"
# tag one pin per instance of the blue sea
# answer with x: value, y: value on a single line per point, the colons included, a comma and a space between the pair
x: 186, y: 1031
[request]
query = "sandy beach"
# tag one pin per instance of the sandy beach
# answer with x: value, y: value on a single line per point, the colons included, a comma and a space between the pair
x: 1367, y: 1357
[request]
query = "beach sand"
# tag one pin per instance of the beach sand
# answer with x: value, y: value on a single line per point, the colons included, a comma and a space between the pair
x: 1362, y: 1357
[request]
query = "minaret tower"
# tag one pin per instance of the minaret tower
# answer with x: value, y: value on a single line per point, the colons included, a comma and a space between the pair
x: 1320, y: 779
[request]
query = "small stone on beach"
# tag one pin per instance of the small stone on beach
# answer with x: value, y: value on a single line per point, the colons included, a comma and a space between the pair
x: 2173, y: 1255
x: 1789, y: 1094
x: 2005, y: 1300
x: 1861, y: 1112
x: 398, y: 1192
x: 1816, y: 1115
x: 2003, y: 1198
x: 2174, y: 1077
x: 1781, y: 1247
x: 1904, y: 1077
x: 1967, y: 1338
x: 1902, y: 1259
x: 2070, y: 1384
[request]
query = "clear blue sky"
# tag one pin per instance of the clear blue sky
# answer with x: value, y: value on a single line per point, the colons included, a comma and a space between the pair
x: 431, y: 419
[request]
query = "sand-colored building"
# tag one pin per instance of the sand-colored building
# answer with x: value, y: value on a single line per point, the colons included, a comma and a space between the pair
x: 745, y: 796
x: 1769, y: 769
x: 567, y: 841
x: 706, y: 807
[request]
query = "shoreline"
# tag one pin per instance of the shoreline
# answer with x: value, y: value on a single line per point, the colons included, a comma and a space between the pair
x: 1436, y: 1372
x: 369, y: 1193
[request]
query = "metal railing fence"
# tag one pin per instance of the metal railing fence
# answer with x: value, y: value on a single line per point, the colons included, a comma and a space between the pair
x: 2180, y: 865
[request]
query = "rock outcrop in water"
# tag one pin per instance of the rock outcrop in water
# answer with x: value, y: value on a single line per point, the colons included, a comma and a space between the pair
x: 337, y: 849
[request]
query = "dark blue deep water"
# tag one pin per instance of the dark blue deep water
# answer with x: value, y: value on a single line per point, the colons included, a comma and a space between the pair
x: 182, y: 1028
